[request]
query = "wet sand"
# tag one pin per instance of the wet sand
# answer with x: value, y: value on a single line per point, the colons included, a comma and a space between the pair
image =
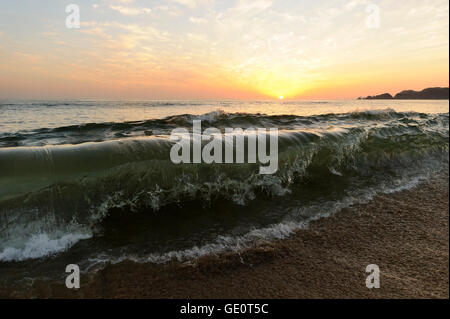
x: 406, y: 234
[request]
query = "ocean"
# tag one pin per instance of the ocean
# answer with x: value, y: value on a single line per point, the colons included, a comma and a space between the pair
x: 91, y: 182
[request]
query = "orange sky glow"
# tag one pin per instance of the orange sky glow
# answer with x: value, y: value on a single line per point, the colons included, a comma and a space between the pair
x: 210, y: 49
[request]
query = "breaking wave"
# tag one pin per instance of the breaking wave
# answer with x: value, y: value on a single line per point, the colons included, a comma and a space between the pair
x: 64, y: 185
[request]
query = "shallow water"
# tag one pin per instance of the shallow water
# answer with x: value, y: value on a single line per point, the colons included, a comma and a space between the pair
x: 89, y: 182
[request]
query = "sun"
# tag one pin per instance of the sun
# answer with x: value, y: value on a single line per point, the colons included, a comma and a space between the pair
x: 281, y: 97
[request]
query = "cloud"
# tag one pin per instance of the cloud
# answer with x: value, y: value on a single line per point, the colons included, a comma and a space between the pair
x: 195, y: 20
x: 28, y: 57
x: 188, y: 3
x: 193, y: 3
x: 169, y: 10
x: 255, y: 6
x: 274, y: 47
x: 130, y: 11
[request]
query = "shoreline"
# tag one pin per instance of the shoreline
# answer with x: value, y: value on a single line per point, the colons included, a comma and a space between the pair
x: 405, y: 233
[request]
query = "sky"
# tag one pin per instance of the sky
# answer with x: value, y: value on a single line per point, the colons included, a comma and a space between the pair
x: 222, y: 49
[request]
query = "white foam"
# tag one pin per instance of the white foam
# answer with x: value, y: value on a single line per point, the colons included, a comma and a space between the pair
x: 273, y: 232
x: 211, y: 117
x: 374, y: 112
x: 41, y: 245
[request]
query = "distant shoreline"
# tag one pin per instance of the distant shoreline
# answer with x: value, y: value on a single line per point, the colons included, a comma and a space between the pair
x: 436, y: 93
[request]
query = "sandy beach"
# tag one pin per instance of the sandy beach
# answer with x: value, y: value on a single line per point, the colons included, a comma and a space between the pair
x: 405, y: 234
x: 199, y: 149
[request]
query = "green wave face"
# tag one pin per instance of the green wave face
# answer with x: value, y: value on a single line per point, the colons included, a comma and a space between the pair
x: 123, y: 181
